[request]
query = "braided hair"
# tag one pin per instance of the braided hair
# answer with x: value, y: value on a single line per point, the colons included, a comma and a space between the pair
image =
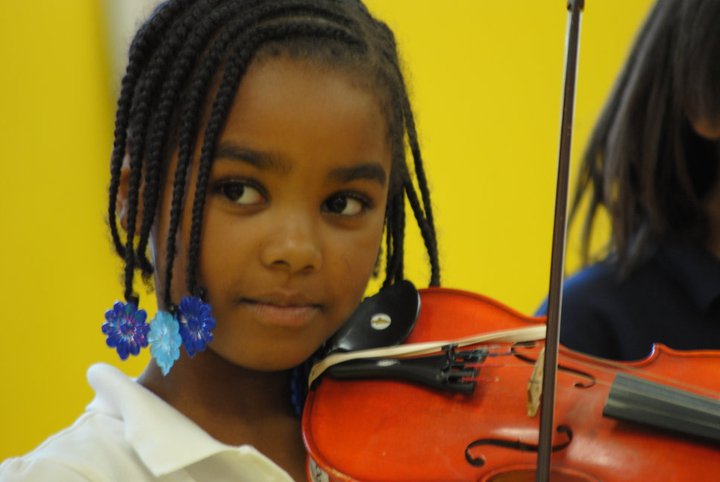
x: 189, y: 50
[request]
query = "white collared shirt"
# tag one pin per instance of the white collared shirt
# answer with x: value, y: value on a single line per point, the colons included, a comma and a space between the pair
x: 127, y: 433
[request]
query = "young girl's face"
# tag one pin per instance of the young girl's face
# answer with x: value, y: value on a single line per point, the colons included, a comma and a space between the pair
x: 294, y: 212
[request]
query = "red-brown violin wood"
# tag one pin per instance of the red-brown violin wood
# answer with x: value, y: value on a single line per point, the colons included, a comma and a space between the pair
x: 384, y: 430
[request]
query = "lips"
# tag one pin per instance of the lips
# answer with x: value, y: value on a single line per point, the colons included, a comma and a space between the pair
x: 280, y: 310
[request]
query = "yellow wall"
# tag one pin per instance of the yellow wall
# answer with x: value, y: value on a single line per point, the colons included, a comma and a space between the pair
x: 486, y: 79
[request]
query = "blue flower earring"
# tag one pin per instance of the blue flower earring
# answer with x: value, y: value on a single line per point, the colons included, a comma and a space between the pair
x: 191, y: 325
x: 165, y: 340
x: 126, y: 329
x: 196, y: 324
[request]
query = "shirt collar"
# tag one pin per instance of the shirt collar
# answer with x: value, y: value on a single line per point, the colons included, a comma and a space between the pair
x: 696, y: 269
x: 164, y: 439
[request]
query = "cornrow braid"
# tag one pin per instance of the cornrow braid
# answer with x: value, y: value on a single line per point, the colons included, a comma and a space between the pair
x: 146, y: 36
x: 157, y: 133
x: 175, y: 60
x: 147, y: 88
x: 188, y: 132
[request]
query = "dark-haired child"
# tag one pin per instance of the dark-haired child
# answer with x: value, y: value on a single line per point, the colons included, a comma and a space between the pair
x: 258, y: 164
x: 652, y: 164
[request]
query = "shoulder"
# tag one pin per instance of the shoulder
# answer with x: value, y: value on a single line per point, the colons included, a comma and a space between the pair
x: 20, y: 469
x: 93, y: 448
x: 619, y: 318
x: 594, y: 311
x: 582, y: 290
x: 70, y: 455
x: 591, y: 287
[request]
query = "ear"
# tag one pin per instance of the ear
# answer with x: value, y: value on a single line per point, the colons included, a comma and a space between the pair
x: 706, y: 129
x: 121, y: 204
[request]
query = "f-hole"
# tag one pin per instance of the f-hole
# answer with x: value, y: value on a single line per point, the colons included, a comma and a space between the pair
x: 589, y: 379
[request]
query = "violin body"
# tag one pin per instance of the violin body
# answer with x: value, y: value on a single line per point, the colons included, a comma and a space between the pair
x: 385, y: 430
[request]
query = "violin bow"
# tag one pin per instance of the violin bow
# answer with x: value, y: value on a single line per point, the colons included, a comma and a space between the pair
x: 552, y: 337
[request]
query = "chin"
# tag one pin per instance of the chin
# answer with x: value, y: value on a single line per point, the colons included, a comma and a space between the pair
x: 271, y: 360
x: 286, y: 362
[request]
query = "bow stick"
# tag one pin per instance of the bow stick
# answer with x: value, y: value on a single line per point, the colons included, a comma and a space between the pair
x: 552, y: 336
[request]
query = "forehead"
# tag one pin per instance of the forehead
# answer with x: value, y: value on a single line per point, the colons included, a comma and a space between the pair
x: 305, y: 107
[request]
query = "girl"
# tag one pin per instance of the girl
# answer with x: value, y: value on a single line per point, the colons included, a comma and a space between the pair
x: 652, y: 163
x: 258, y: 162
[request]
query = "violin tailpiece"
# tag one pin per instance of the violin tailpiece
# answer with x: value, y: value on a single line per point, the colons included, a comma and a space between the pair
x: 452, y: 371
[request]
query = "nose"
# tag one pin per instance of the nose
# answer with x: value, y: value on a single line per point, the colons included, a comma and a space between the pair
x: 293, y: 247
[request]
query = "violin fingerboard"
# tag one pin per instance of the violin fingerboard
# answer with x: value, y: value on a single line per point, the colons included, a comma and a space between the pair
x: 639, y: 400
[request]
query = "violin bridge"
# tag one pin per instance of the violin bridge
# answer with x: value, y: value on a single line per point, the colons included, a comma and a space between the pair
x: 534, y: 389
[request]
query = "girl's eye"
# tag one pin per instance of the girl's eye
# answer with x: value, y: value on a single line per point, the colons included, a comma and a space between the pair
x: 345, y: 205
x: 240, y: 193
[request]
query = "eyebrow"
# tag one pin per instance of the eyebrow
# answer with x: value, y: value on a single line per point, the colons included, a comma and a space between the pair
x: 260, y: 160
x: 372, y: 171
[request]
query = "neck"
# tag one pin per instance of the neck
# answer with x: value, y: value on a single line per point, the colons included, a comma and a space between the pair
x: 234, y: 405
x: 208, y: 387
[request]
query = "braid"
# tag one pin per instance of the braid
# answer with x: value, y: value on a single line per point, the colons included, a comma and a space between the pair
x: 158, y: 131
x: 426, y: 230
x: 186, y: 143
x: 395, y: 238
x: 135, y: 168
x: 145, y: 91
x: 142, y: 42
x: 429, y: 234
x: 423, y: 214
x: 389, y: 223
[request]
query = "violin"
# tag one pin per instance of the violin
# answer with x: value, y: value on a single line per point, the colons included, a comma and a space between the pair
x: 657, y: 418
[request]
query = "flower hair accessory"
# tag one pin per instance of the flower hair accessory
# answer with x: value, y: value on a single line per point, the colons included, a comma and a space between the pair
x: 196, y: 324
x: 126, y: 329
x: 165, y: 340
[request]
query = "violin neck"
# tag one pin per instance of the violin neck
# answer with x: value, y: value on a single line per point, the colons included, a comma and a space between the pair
x: 638, y: 400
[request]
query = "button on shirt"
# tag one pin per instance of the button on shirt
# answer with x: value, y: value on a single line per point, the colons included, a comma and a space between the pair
x: 673, y: 298
x: 127, y: 433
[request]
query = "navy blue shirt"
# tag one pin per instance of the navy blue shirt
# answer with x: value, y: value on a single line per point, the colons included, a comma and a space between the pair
x: 673, y: 298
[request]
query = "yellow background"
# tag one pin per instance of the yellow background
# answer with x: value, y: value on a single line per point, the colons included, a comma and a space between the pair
x: 486, y: 79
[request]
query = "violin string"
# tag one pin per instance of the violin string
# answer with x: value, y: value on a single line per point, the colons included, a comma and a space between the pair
x: 612, y: 366
x: 637, y: 371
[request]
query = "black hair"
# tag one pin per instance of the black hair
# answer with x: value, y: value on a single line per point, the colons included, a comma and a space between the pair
x: 644, y: 163
x: 188, y: 48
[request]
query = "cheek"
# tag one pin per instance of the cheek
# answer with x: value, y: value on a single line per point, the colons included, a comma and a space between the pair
x: 226, y: 247
x: 354, y: 262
